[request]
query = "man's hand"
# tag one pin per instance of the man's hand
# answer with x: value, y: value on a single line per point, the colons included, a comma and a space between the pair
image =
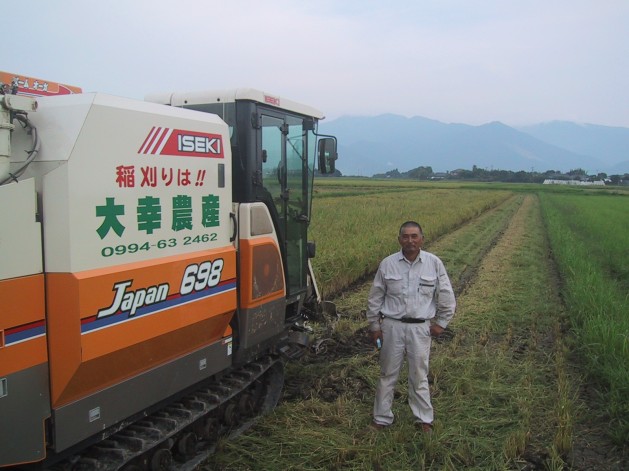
x: 375, y: 335
x: 436, y: 330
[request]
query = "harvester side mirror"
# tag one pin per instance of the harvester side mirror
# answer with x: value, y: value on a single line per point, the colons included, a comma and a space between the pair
x: 327, y: 155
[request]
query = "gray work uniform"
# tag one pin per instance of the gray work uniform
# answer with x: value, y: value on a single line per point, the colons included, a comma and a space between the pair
x: 401, y: 290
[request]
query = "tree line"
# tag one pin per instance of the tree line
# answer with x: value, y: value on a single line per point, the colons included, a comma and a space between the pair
x: 491, y: 175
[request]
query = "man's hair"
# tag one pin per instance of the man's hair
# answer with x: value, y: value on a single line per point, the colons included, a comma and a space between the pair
x: 411, y: 224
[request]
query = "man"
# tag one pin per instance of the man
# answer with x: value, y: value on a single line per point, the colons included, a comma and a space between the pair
x: 410, y: 300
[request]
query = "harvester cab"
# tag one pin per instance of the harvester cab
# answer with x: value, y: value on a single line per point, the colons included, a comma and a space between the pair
x: 275, y: 150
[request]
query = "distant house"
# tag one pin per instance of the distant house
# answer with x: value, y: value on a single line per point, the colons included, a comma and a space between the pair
x: 438, y: 176
x: 573, y: 182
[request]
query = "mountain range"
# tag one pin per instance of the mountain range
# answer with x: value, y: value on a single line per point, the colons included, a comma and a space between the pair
x: 378, y: 144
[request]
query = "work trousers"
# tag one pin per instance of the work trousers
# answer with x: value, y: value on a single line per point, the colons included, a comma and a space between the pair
x: 398, y: 339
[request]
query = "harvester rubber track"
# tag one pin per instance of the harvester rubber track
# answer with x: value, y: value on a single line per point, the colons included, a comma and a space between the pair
x: 182, y: 435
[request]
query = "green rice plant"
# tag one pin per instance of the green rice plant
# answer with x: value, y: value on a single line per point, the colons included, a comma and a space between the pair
x: 601, y: 223
x: 596, y: 299
x: 354, y: 233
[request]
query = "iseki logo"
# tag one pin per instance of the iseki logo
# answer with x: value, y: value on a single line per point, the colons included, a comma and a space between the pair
x: 183, y: 143
x: 198, y: 144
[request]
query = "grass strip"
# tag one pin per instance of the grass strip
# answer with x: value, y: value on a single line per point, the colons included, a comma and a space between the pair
x: 596, y: 299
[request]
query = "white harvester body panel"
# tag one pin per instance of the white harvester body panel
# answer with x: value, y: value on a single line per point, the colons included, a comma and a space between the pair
x: 113, y: 199
x: 19, y: 224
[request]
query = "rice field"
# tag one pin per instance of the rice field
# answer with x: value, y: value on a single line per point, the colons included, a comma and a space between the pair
x: 590, y: 241
x: 534, y: 373
x: 354, y: 231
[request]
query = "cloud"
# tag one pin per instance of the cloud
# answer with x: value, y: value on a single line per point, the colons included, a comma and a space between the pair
x: 451, y: 60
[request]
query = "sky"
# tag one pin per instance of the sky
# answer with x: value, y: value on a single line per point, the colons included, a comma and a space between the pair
x: 457, y: 61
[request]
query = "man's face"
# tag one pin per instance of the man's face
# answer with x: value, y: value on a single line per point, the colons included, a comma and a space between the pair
x: 411, y: 240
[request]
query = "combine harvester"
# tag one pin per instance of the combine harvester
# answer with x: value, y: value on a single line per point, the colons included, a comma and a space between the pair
x: 154, y: 269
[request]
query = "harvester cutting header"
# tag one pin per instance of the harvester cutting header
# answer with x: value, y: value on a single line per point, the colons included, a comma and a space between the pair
x: 154, y: 268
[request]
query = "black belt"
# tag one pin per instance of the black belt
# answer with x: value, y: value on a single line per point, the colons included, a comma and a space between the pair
x: 406, y: 320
